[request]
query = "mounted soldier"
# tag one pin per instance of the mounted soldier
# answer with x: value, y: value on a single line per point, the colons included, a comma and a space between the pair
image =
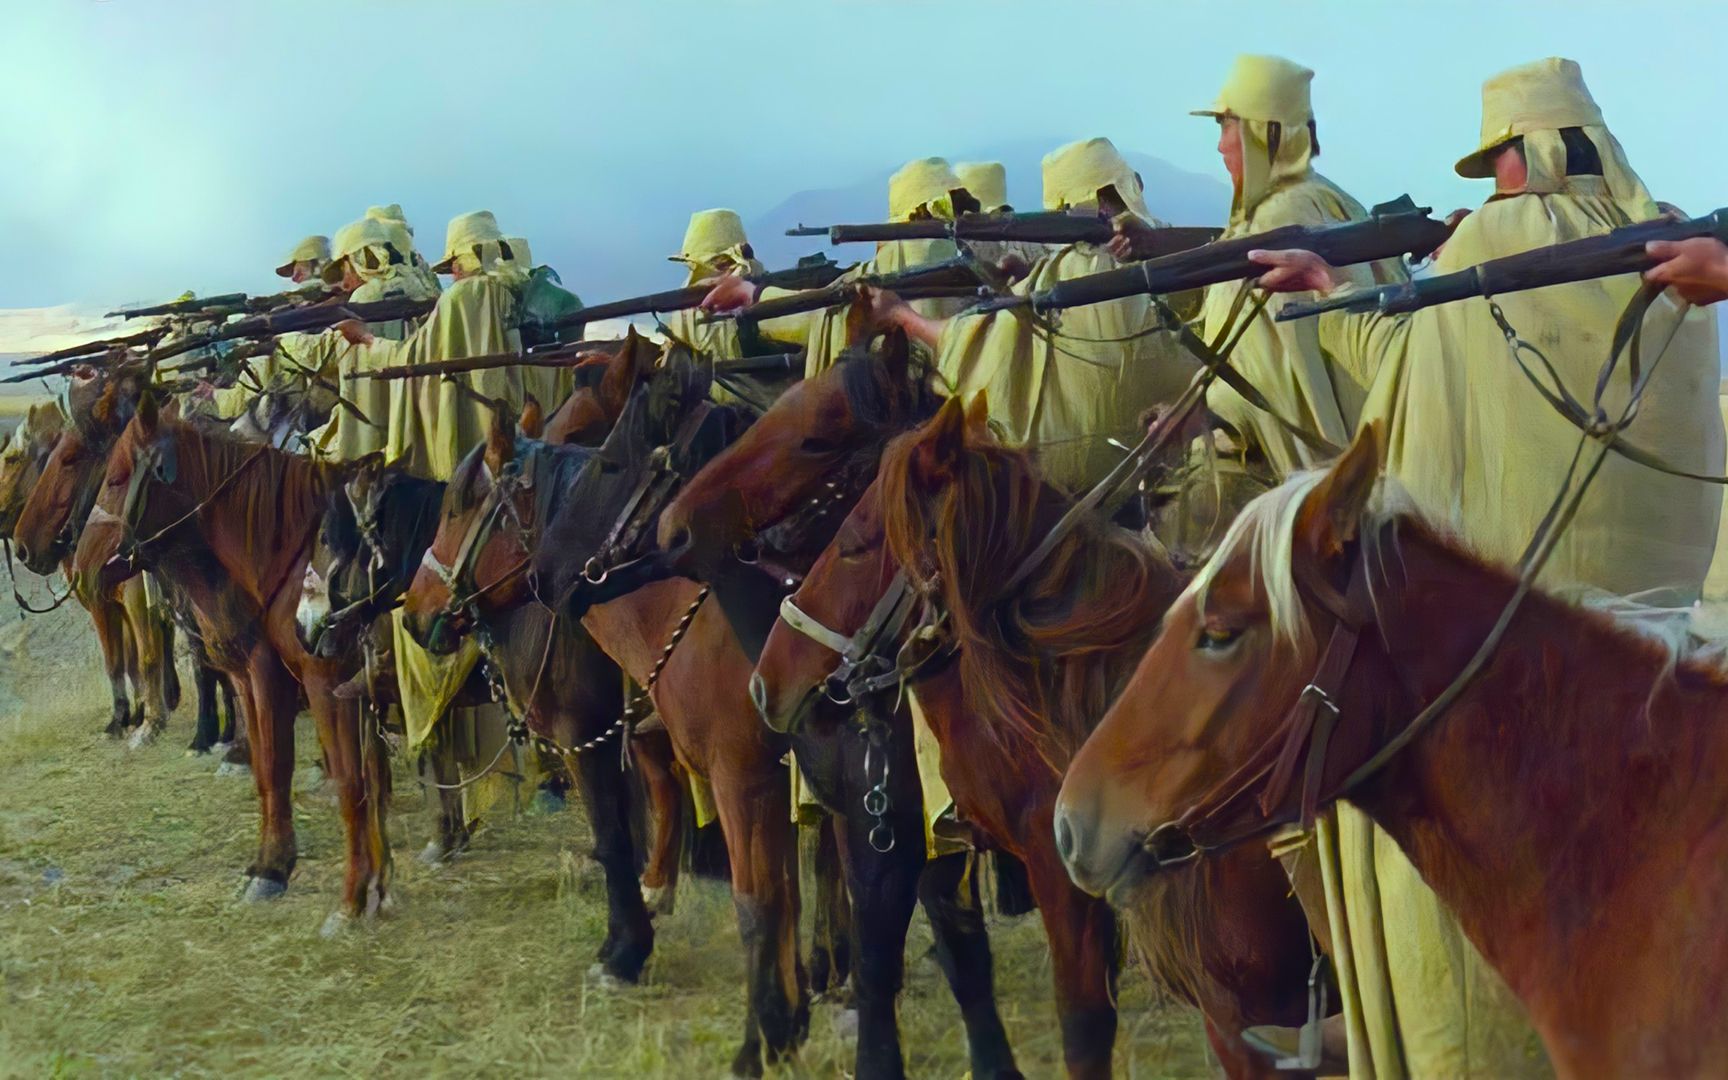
x: 306, y: 260
x: 1477, y: 448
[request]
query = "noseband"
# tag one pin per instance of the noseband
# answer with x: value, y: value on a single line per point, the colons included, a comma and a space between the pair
x: 500, y: 503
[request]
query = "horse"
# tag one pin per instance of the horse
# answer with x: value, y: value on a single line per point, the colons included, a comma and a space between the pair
x: 233, y: 524
x: 660, y: 633
x: 775, y: 497
x: 1557, y: 786
x: 1011, y: 674
x: 46, y: 483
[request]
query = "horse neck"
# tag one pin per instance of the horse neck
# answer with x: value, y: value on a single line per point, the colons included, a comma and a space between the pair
x: 1569, y: 798
x: 260, y: 530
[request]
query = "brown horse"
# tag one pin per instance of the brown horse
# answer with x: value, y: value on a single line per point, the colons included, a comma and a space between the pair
x: 233, y: 524
x: 525, y: 489
x: 47, y: 479
x: 776, y: 497
x: 1033, y: 664
x: 1567, y: 806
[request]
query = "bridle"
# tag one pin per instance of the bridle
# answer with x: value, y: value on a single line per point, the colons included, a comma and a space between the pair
x: 660, y: 482
x: 498, y: 507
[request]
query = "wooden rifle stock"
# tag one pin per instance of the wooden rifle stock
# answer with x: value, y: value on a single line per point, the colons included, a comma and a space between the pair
x: 1391, y: 229
x: 310, y: 318
x: 1608, y: 255
x: 809, y: 274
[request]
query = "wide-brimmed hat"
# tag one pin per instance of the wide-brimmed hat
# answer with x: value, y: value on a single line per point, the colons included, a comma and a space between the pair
x: 1547, y: 95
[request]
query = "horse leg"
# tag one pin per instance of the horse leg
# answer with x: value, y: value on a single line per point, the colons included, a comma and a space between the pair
x: 756, y: 817
x: 144, y: 631
x: 110, y: 634
x: 951, y: 901
x: 451, y: 836
x: 831, y: 935
x: 352, y: 765
x: 605, y: 789
x: 273, y: 695
x: 884, y: 886
x: 233, y: 726
x: 206, y: 734
x: 1082, y: 934
x: 663, y: 781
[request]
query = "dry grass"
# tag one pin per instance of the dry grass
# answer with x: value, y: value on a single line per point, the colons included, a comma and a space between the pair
x: 123, y: 951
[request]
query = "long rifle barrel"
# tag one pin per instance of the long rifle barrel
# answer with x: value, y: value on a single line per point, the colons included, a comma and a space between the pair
x: 182, y: 307
x: 228, y: 304
x: 1618, y: 252
x: 91, y: 349
x: 1057, y: 227
x: 812, y: 273
x: 951, y: 277
x: 561, y: 357
x: 1392, y: 229
x: 310, y: 318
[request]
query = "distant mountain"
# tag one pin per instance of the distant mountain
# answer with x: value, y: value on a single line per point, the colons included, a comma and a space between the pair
x: 1174, y: 194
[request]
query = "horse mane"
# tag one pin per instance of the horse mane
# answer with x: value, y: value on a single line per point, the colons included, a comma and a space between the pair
x: 1266, y: 530
x: 880, y: 401
x: 1043, y: 659
x: 280, y: 495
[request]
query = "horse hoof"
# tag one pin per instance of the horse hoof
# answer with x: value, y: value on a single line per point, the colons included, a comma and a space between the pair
x: 660, y: 899
x: 602, y: 979
x: 845, y: 1024
x: 229, y: 768
x: 338, y: 923
x: 143, y: 735
x: 260, y: 889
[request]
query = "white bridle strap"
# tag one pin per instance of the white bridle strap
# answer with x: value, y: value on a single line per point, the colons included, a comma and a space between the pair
x: 794, y: 616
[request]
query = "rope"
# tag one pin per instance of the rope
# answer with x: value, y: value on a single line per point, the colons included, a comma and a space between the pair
x: 18, y: 597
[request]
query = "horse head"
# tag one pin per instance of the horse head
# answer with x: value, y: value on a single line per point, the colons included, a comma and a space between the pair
x: 1222, y: 734
x: 24, y: 457
x: 779, y: 489
x: 138, y: 498
x: 589, y: 413
x: 58, y: 504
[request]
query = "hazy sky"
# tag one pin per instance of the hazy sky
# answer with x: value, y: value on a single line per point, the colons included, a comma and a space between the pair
x: 153, y: 146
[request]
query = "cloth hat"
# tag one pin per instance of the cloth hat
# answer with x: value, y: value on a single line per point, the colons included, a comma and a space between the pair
x: 390, y: 212
x: 1074, y: 175
x: 353, y: 238
x: 986, y: 181
x: 917, y: 184
x: 711, y: 233
x: 313, y: 249
x: 520, y: 253
x: 1266, y: 88
x: 465, y: 233
x: 1546, y: 95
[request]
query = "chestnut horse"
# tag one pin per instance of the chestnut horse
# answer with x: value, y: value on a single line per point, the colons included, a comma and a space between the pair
x: 1033, y: 665
x: 776, y: 496
x: 1567, y: 806
x: 233, y: 524
x: 47, y: 482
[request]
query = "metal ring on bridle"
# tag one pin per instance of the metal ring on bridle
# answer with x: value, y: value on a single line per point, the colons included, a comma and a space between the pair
x: 593, y: 573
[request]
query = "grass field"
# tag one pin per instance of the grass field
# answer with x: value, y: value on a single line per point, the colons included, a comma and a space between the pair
x: 124, y: 952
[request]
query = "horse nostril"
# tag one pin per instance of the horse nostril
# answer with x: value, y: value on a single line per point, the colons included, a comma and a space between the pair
x: 759, y: 695
x: 23, y: 552
x: 1064, y: 835
x: 679, y: 542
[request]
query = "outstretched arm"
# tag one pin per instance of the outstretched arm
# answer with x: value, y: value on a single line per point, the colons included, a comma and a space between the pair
x: 1697, y: 269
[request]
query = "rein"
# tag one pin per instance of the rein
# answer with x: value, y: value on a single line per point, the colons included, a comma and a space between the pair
x: 18, y: 597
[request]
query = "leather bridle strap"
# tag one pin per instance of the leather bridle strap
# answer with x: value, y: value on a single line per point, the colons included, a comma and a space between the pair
x: 886, y: 620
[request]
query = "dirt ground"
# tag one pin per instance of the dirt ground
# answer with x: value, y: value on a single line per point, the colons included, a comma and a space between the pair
x: 124, y: 950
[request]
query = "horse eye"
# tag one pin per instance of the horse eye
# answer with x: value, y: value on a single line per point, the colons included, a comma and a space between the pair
x: 815, y: 444
x: 1217, y: 638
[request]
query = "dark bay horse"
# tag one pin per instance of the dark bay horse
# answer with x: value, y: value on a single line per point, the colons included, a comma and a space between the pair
x: 233, y: 523
x: 1567, y: 806
x: 775, y: 497
x: 1022, y: 671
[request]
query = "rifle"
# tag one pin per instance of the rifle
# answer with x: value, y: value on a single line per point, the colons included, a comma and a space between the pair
x: 233, y: 303
x: 1617, y: 252
x: 572, y: 355
x: 90, y: 349
x: 309, y: 318
x: 1056, y: 227
x: 1399, y: 227
x: 812, y: 272
x: 949, y: 278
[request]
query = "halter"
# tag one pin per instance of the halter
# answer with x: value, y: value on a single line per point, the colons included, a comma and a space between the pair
x: 500, y: 502
x: 660, y: 482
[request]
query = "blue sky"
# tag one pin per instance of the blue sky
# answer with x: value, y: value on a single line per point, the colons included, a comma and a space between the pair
x: 155, y: 146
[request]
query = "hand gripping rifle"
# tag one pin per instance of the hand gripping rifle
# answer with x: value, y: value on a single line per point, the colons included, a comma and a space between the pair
x: 1391, y: 229
x: 310, y: 318
x: 1617, y: 252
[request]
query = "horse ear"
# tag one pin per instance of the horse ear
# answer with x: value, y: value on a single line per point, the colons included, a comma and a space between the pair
x: 501, y: 438
x: 171, y: 411
x: 978, y: 415
x: 533, y: 420
x: 147, y: 414
x: 944, y: 442
x: 1333, y: 510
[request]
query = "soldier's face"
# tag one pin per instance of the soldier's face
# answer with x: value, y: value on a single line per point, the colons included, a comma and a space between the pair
x: 1230, y: 147
x: 1511, y: 173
